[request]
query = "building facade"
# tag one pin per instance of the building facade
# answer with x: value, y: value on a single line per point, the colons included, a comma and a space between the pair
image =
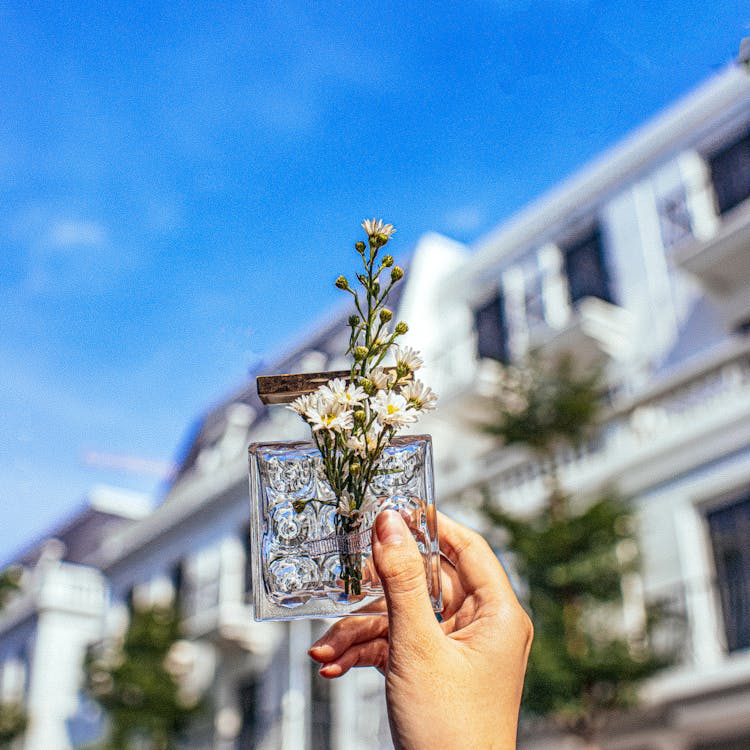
x: 639, y: 264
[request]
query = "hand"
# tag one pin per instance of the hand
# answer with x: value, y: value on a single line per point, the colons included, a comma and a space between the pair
x: 454, y: 684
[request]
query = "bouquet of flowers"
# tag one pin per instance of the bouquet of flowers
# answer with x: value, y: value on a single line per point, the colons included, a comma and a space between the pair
x: 353, y: 420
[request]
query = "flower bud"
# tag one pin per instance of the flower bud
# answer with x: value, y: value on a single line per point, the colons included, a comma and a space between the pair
x: 370, y: 389
x: 388, y: 261
x: 360, y: 352
x: 359, y: 246
x: 355, y: 467
x: 342, y: 283
x: 354, y: 321
x: 359, y: 415
x: 401, y: 328
x: 397, y: 273
x: 385, y: 315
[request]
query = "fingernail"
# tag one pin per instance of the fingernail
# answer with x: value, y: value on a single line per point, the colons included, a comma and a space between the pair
x: 331, y: 670
x: 390, y: 528
x: 322, y: 652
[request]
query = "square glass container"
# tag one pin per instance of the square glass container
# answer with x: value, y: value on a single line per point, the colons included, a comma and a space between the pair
x: 296, y: 552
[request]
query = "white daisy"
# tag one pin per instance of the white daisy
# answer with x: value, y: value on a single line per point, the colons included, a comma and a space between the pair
x: 392, y: 409
x: 302, y: 404
x: 420, y: 396
x: 379, y: 378
x: 376, y: 226
x: 361, y: 445
x: 407, y: 358
x: 346, y: 395
x: 329, y: 415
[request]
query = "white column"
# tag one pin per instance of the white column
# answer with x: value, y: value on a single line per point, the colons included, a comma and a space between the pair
x: 554, y: 286
x: 703, y: 617
x: 699, y: 194
x: 295, y: 732
x: 514, y: 296
x: 343, y: 713
x: 70, y: 605
x: 231, y: 573
x: 663, y: 326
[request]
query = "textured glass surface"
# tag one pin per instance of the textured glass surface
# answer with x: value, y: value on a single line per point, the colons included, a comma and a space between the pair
x: 296, y: 557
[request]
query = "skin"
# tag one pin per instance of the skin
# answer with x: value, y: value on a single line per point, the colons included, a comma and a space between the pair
x: 454, y: 684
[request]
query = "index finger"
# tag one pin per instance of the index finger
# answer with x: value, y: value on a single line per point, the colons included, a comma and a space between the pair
x: 476, y: 564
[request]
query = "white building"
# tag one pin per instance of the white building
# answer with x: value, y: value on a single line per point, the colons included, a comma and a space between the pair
x: 59, y: 611
x: 641, y: 262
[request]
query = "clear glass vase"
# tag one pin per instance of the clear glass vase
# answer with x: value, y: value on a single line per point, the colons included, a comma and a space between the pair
x: 301, y: 565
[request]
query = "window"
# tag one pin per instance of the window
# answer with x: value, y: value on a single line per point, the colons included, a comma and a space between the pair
x: 260, y: 698
x: 245, y: 539
x: 729, y: 528
x: 730, y: 172
x: 176, y: 577
x: 249, y: 729
x: 489, y: 321
x: 585, y: 268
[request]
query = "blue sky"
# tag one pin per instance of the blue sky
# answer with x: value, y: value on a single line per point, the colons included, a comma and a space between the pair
x: 181, y: 182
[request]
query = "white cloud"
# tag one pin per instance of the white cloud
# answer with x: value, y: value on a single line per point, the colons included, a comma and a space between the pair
x: 70, y: 233
x: 65, y: 253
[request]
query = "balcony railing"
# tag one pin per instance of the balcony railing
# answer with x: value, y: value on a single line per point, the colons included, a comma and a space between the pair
x: 226, y: 616
x: 74, y: 588
x: 59, y: 586
x: 701, y: 661
x: 672, y: 415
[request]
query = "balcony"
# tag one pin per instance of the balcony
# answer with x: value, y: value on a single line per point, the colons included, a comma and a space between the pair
x: 219, y: 610
x: 231, y: 625
x: 596, y: 330
x: 72, y: 588
x: 58, y: 587
x: 722, y: 263
x: 594, y: 333
x: 692, y: 678
x: 692, y: 418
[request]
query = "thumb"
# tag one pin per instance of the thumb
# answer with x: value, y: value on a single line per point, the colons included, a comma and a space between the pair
x: 402, y: 575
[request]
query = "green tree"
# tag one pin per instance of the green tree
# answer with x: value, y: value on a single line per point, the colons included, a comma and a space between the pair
x: 136, y: 686
x: 572, y: 556
x: 10, y: 583
x: 12, y: 715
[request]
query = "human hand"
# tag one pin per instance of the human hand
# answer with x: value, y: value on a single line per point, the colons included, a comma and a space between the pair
x: 454, y: 684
